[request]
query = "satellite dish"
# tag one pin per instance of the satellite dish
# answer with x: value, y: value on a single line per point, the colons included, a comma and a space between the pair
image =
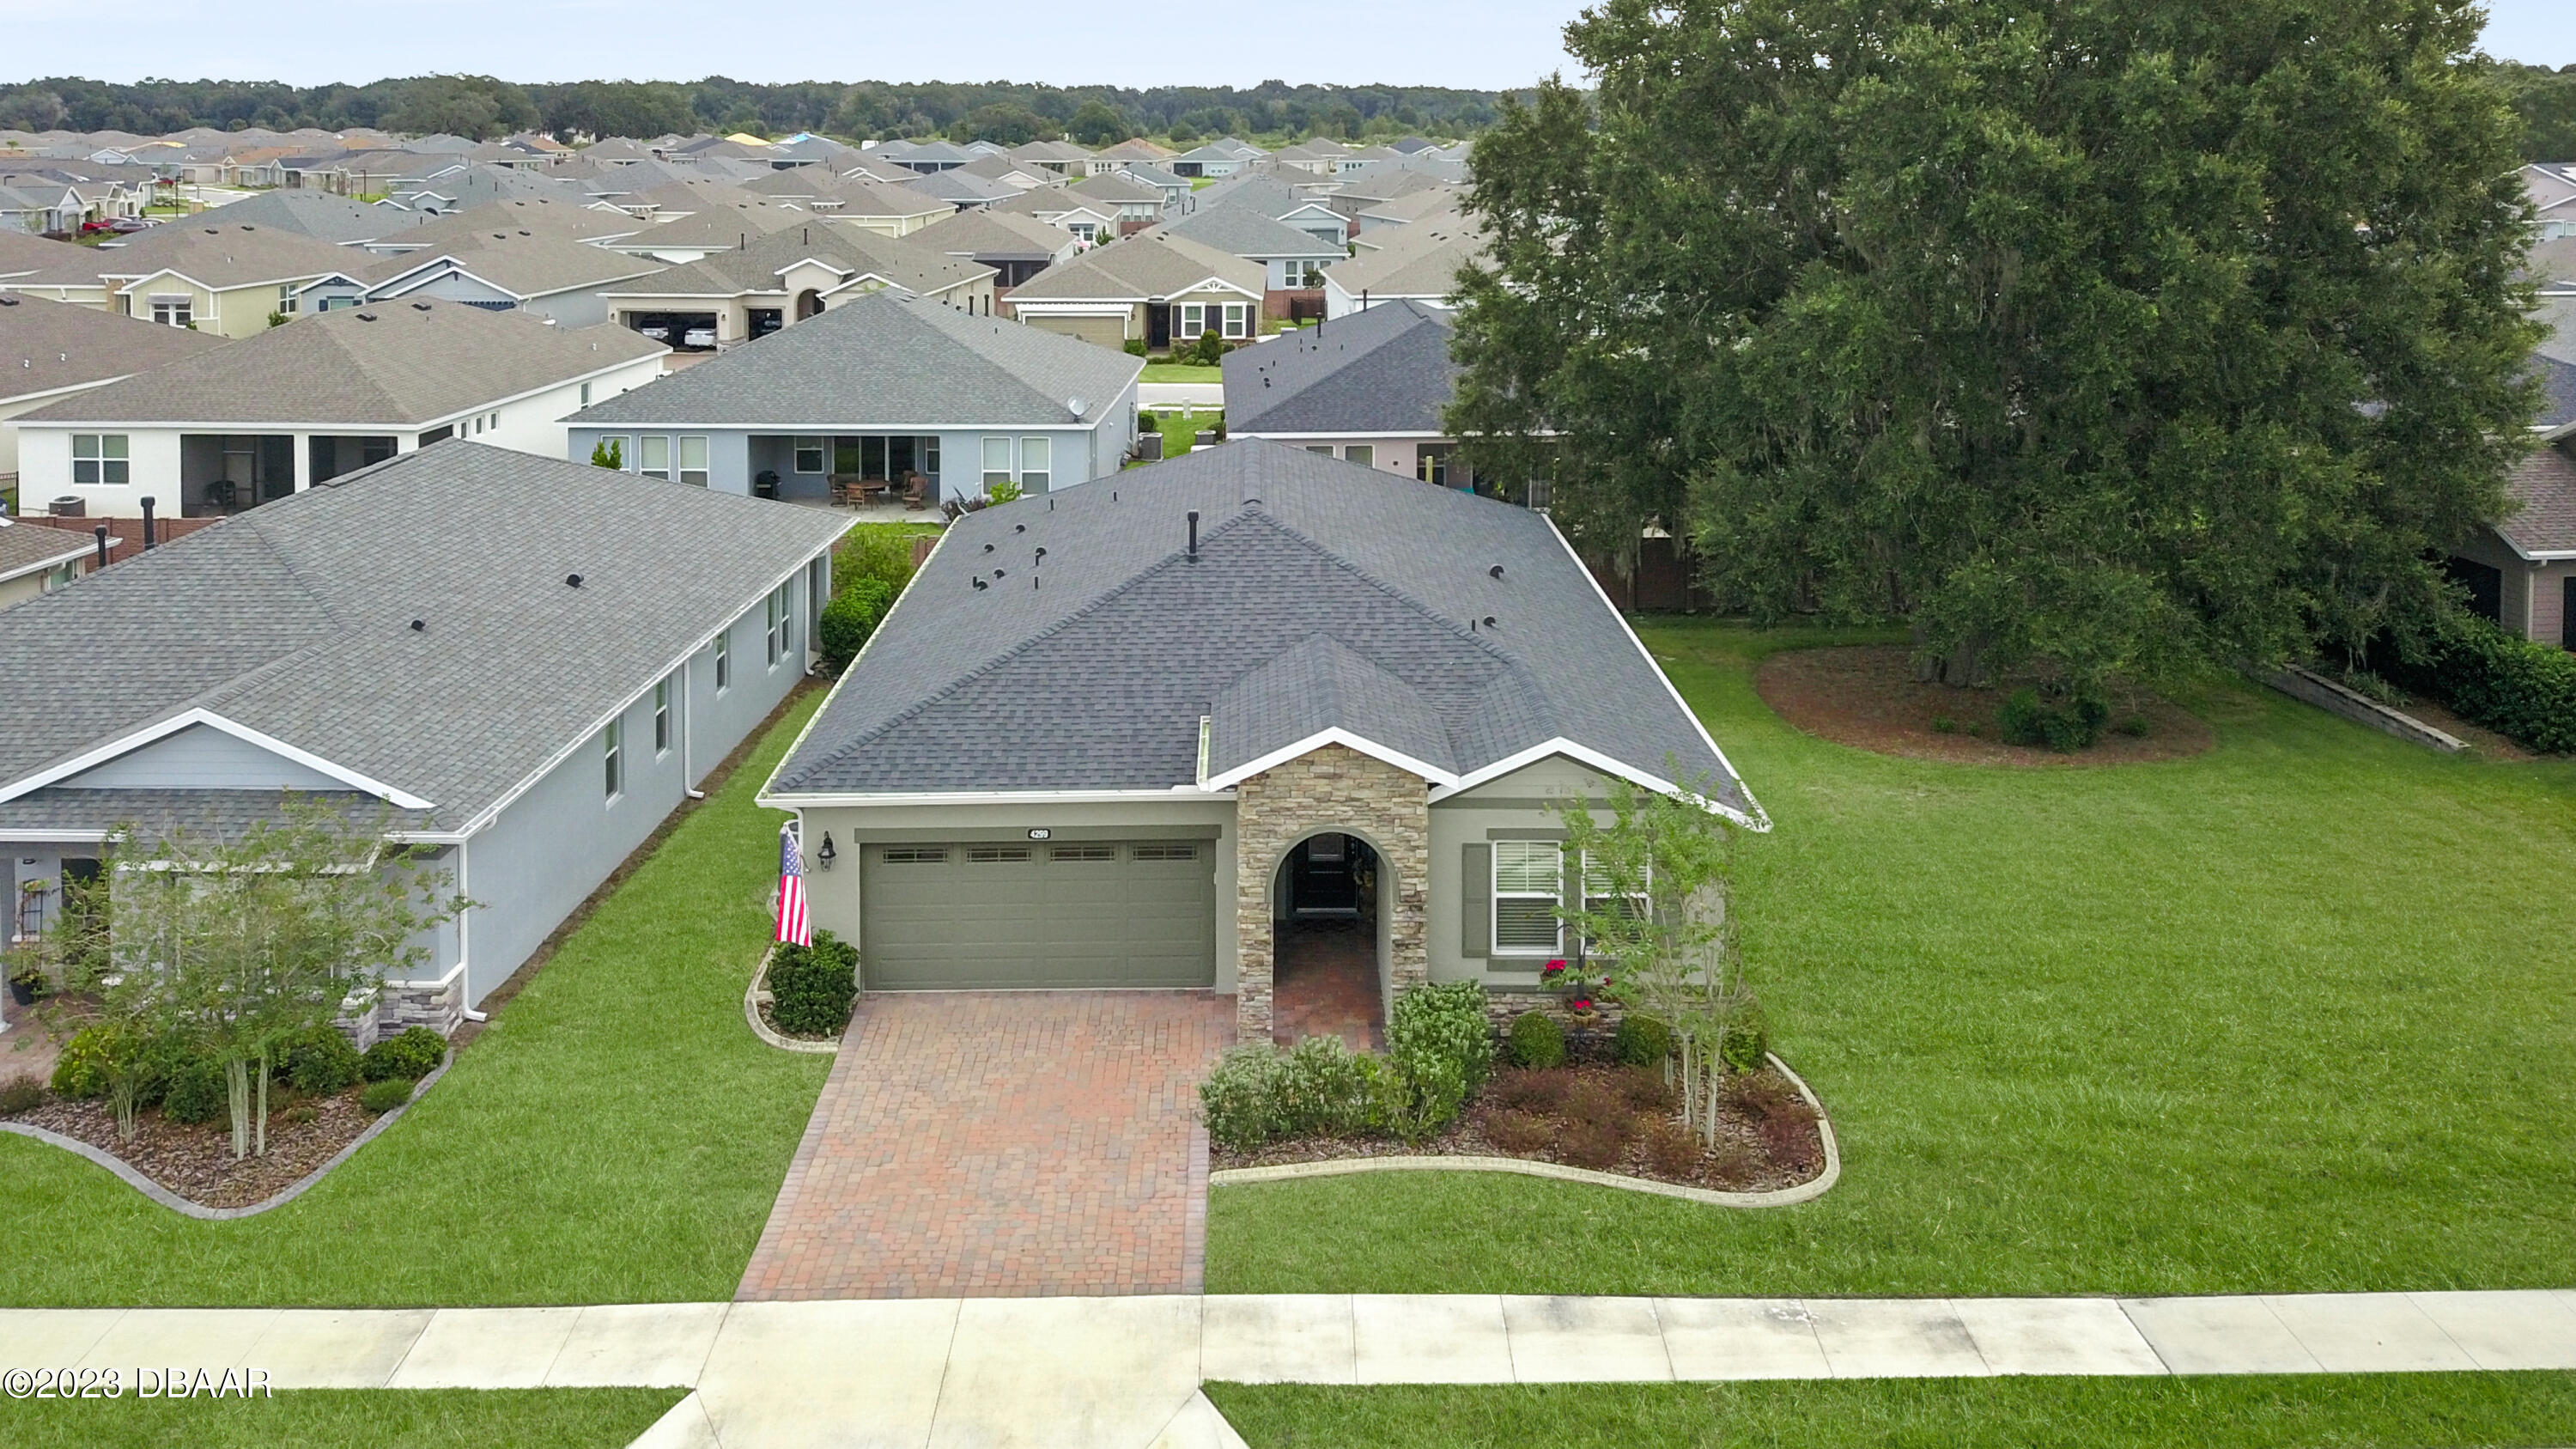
x: 1073, y: 405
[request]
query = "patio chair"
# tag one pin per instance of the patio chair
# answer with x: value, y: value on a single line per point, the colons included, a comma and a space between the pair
x: 916, y: 492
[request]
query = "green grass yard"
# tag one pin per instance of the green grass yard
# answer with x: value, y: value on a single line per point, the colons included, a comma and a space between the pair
x: 328, y: 1418
x: 1180, y: 434
x: 2401, y: 1411
x: 616, y: 1135
x: 1181, y: 372
x: 2291, y: 1015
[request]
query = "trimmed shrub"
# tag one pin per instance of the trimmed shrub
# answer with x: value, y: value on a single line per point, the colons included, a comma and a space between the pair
x: 1533, y: 1091
x: 877, y: 551
x: 411, y: 1056
x: 1746, y: 1046
x: 1518, y: 1132
x: 22, y: 1093
x: 2516, y: 687
x: 1258, y: 1094
x: 80, y: 1072
x: 843, y: 630
x: 2055, y: 721
x: 1441, y: 1046
x: 1672, y: 1149
x: 1537, y: 1042
x: 1134, y: 346
x: 1208, y: 350
x: 319, y: 1061
x: 1640, y: 1041
x: 1588, y: 1144
x: 1241, y: 1100
x: 196, y: 1090
x: 811, y: 988
x: 383, y: 1096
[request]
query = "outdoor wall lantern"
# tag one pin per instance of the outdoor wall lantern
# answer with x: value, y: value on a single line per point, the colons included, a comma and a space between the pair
x: 827, y: 852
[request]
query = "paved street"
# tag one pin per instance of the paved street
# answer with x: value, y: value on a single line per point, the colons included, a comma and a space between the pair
x: 975, y: 1143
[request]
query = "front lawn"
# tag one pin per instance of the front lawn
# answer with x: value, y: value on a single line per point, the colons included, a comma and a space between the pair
x: 2400, y: 1411
x: 1180, y: 434
x: 616, y: 1135
x: 344, y: 1419
x: 1181, y: 372
x: 2290, y: 1015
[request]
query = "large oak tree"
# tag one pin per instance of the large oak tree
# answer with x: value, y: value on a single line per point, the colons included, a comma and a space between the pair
x: 2110, y: 335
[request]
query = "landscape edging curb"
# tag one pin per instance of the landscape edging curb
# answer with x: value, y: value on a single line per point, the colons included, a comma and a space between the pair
x: 1807, y: 1191
x: 751, y: 1013
x: 135, y: 1179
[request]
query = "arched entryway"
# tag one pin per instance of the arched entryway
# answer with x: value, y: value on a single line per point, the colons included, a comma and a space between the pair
x: 1330, y: 942
x: 809, y: 303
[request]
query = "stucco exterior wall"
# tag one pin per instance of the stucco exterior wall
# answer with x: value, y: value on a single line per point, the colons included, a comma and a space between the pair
x: 1512, y: 807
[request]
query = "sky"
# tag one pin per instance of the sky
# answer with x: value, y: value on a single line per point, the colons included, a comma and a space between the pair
x: 1479, y: 44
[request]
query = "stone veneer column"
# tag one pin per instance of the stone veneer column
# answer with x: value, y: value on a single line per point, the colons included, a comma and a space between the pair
x: 1330, y: 788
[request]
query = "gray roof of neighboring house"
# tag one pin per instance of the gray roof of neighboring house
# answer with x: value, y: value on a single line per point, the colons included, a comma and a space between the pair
x: 46, y: 345
x: 854, y: 250
x: 2557, y: 393
x: 1418, y: 260
x: 182, y: 813
x: 2552, y: 264
x: 216, y: 255
x: 960, y: 187
x: 385, y: 363
x: 1257, y: 190
x: 1115, y: 186
x: 2542, y: 488
x: 1135, y: 148
x: 26, y: 547
x: 1050, y: 151
x: 1149, y: 264
x: 1323, y: 594
x: 294, y: 619
x: 1241, y: 231
x: 322, y: 216
x: 520, y: 261
x: 1386, y: 370
x: 888, y: 357
x: 989, y: 236
x: 563, y: 216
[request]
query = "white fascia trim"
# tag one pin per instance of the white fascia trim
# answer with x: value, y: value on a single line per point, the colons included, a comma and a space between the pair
x: 825, y: 800
x: 825, y: 708
x: 83, y: 547
x: 1759, y: 819
x: 1334, y: 736
x: 201, y: 716
x: 569, y: 380
x: 441, y: 981
x: 1346, y: 435
x: 1217, y: 282
x: 840, y: 429
x: 582, y: 737
x: 66, y: 390
x: 137, y: 279
x: 1041, y: 307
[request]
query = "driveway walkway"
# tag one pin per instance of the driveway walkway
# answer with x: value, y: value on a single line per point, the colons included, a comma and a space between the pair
x: 1002, y: 1144
x: 1123, y: 1373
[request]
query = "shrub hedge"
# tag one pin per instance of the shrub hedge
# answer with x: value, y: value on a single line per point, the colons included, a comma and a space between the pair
x: 811, y: 988
x: 1440, y: 1052
x: 408, y: 1057
x: 2517, y: 687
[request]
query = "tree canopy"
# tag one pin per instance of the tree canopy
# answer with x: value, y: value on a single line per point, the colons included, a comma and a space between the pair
x: 2111, y: 335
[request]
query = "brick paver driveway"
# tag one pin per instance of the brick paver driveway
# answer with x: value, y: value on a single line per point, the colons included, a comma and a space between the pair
x: 1002, y: 1143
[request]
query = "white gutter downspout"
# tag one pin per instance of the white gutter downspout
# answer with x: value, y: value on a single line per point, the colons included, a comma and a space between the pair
x: 465, y: 931
x: 688, y: 726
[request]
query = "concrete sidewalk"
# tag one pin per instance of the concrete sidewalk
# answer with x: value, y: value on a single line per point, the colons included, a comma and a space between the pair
x: 1123, y: 1373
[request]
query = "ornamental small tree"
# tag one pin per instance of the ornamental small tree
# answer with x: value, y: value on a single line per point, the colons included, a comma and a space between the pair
x: 1656, y: 911
x: 608, y: 453
x: 233, y: 945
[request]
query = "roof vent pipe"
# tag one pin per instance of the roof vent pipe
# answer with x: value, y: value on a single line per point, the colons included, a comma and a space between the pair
x: 101, y: 531
x: 149, y: 536
x: 1194, y: 533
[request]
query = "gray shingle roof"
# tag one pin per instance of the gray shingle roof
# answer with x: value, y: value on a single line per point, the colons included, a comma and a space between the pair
x: 25, y: 548
x: 1091, y: 669
x: 46, y: 345
x: 888, y: 357
x: 387, y: 362
x: 987, y: 235
x: 2557, y: 392
x: 293, y: 619
x: 219, y: 256
x: 1386, y: 370
x: 182, y: 813
x: 754, y: 265
x: 1418, y: 260
x: 1244, y: 232
x: 1147, y: 265
x: 521, y: 261
x: 2542, y: 490
x: 322, y: 216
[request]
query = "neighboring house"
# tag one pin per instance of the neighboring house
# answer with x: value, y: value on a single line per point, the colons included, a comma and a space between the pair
x: 1156, y: 288
x: 1279, y: 201
x: 1434, y: 204
x: 36, y: 561
x: 226, y: 280
x: 273, y: 415
x: 1293, y: 262
x: 1009, y: 172
x: 1060, y: 157
x: 50, y: 351
x: 735, y: 296
x: 520, y: 663
x: 553, y: 277
x: 1015, y: 247
x: 1221, y: 157
x: 1083, y: 220
x: 324, y: 217
x: 1248, y: 698
x: 853, y: 201
x: 1417, y: 263
x: 963, y: 189
x: 28, y: 256
x: 1110, y: 158
x: 883, y: 387
x: 1175, y: 189
x: 2522, y: 571
x: 2552, y: 189
x: 1134, y: 204
x: 924, y: 156
x: 1368, y: 388
x: 1317, y: 155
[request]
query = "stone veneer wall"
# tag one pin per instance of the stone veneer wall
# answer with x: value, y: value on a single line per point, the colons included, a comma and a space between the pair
x: 1331, y: 788
x: 397, y: 1007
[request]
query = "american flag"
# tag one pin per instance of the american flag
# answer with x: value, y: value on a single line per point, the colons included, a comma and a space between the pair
x: 792, y: 925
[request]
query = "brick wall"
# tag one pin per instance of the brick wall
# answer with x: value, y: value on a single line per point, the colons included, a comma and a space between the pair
x: 127, y: 532
x: 1333, y: 788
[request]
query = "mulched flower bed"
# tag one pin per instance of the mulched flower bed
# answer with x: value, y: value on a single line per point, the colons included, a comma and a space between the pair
x: 196, y: 1162
x: 1866, y: 696
x: 1607, y: 1119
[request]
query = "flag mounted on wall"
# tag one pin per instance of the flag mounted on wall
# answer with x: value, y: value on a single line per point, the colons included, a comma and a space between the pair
x: 792, y: 925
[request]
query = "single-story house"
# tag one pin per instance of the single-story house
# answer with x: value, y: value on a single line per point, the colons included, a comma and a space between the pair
x: 1292, y: 261
x: 1015, y: 247
x: 503, y: 270
x: 1246, y: 703
x: 768, y: 282
x: 1084, y: 220
x: 257, y: 420
x: 1416, y: 263
x: 871, y: 392
x: 1133, y: 204
x: 324, y: 217
x: 1223, y: 156
x: 1369, y: 388
x: 1135, y: 148
x: 1061, y: 157
x: 224, y: 279
x: 1276, y: 199
x: 528, y: 701
x: 2521, y: 572
x: 1160, y: 288
x: 963, y: 189
x: 35, y: 561
x: 52, y: 350
x: 853, y: 201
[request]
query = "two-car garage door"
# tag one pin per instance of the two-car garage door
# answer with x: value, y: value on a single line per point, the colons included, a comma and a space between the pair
x: 1031, y: 914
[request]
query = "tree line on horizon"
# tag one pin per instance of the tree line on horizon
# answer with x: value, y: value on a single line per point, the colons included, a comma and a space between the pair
x: 484, y: 108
